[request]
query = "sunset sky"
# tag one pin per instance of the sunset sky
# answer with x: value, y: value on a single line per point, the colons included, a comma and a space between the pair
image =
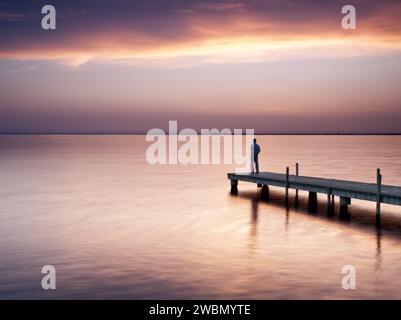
x: 128, y: 66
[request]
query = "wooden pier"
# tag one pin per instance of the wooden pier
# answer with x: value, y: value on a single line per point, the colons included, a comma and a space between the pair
x: 345, y: 190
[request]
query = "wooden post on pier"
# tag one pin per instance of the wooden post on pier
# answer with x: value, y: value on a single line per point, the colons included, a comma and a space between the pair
x: 296, y: 190
x: 378, y: 195
x: 287, y: 183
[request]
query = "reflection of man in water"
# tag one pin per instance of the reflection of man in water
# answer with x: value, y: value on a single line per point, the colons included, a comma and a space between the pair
x: 255, y: 153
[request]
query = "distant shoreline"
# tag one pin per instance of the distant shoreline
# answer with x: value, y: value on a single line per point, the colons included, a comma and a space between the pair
x: 141, y: 134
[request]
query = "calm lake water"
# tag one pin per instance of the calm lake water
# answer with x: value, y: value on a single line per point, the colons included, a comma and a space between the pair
x: 116, y: 227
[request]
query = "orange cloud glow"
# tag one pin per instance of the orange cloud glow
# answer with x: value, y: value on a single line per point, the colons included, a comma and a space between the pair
x: 239, y: 36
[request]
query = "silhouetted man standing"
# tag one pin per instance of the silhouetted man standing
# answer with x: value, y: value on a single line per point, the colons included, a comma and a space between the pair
x: 255, y: 155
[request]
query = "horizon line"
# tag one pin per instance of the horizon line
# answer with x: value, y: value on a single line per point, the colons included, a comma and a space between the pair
x: 256, y: 134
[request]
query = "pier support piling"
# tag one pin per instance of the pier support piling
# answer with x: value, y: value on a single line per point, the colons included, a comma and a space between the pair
x: 287, y: 184
x: 296, y: 190
x: 378, y: 195
x: 297, y: 174
x: 330, y: 202
x: 234, y: 187
x: 312, y: 201
x: 344, y: 202
x: 265, y: 192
